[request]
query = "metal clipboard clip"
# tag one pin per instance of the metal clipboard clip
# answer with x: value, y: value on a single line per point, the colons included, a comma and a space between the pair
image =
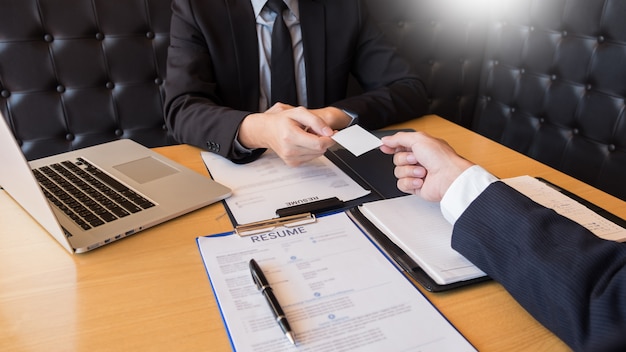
x: 254, y: 228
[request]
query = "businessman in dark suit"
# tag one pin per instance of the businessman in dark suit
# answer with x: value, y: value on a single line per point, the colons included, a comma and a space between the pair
x: 217, y: 90
x: 570, y: 280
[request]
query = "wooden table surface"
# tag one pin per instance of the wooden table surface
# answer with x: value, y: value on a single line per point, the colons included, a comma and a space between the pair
x: 150, y: 292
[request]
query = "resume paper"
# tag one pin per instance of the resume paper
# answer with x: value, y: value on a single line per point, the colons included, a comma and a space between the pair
x: 338, y: 291
x: 267, y: 184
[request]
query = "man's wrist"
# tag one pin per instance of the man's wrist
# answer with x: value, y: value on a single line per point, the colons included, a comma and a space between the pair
x: 353, y: 115
x: 462, y: 192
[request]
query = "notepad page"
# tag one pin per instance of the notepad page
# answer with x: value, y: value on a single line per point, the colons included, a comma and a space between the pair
x: 419, y: 229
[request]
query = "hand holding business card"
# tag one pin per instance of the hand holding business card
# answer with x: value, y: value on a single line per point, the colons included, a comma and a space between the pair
x: 357, y: 140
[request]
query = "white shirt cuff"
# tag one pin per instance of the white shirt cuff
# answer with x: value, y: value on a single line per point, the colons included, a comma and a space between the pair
x: 462, y: 192
x: 353, y: 116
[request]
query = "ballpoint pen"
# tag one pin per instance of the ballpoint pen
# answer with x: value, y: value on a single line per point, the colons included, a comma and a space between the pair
x: 263, y: 285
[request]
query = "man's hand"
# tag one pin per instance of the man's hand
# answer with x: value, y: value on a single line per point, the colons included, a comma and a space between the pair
x: 425, y: 165
x: 294, y: 133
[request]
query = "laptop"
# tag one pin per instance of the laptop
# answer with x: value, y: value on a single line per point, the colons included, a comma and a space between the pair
x: 90, y: 197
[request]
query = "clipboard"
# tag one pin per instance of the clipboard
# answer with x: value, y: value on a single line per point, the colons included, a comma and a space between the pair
x: 379, y: 180
x: 335, y: 240
x: 595, y: 208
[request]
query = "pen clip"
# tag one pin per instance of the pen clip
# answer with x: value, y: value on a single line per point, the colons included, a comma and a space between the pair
x: 270, y: 224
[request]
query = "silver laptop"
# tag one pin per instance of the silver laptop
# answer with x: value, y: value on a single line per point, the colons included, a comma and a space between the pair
x: 90, y: 197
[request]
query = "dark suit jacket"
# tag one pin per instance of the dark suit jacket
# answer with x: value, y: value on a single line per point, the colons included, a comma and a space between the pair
x: 570, y: 280
x: 213, y: 71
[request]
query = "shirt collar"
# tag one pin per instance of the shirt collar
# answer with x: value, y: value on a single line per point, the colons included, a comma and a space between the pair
x: 258, y: 5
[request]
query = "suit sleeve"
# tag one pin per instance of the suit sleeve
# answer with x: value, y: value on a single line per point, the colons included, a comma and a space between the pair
x: 571, y: 281
x: 195, y: 111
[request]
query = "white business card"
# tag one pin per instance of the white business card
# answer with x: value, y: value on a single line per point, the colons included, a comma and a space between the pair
x: 357, y: 140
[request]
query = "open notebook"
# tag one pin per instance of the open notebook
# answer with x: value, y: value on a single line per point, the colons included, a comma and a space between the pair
x: 419, y: 229
x: 419, y: 237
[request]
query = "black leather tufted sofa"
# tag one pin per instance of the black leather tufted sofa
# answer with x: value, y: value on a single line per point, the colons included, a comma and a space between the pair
x: 553, y: 86
x: 545, y: 77
x: 75, y: 73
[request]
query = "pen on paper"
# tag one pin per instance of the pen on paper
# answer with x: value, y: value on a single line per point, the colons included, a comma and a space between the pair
x: 263, y: 285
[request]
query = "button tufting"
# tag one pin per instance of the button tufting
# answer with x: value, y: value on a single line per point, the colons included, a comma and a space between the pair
x: 5, y: 93
x: 553, y: 77
x: 48, y: 38
x: 60, y: 88
x: 109, y: 85
x: 522, y: 70
x: 119, y: 132
x: 150, y: 35
x: 400, y: 24
x: 588, y: 86
x: 601, y: 39
x: 158, y: 81
x: 164, y: 127
x: 612, y: 147
x: 575, y: 131
x: 542, y: 120
x: 99, y: 36
x: 564, y: 34
x: 69, y: 137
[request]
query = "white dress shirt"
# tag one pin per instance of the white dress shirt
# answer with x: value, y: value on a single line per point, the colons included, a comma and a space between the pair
x: 264, y: 24
x: 462, y: 192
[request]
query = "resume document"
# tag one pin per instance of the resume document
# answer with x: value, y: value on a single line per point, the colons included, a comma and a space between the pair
x: 338, y: 291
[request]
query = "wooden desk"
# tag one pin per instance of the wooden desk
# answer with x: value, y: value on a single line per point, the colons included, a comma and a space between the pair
x: 150, y: 292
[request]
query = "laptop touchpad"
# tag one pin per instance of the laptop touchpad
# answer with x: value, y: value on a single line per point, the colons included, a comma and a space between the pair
x: 145, y: 170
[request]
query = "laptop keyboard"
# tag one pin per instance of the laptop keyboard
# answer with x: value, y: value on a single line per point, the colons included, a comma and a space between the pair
x: 86, y: 194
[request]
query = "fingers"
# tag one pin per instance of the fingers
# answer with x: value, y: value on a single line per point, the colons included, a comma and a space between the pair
x: 410, y: 178
x: 404, y: 158
x: 403, y: 140
x: 410, y: 171
x: 311, y: 122
x: 296, y: 135
x: 392, y: 150
x: 410, y: 185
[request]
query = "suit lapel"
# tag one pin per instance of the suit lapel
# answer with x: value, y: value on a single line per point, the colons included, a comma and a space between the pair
x: 246, y: 50
x: 313, y: 23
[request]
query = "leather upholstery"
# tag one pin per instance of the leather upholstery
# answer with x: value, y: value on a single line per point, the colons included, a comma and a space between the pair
x: 545, y: 77
x: 75, y: 73
x: 445, y: 46
x: 554, y: 86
